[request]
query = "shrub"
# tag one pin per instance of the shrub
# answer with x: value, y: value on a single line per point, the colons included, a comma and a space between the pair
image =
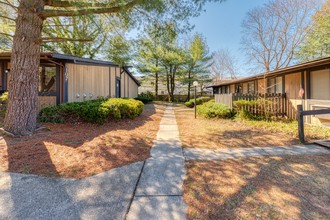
x: 214, y: 110
x: 145, y: 97
x: 199, y: 101
x: 244, y: 109
x: 94, y: 111
x: 190, y: 103
x: 3, y: 104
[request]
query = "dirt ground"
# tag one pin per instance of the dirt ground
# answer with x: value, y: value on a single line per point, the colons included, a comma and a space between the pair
x: 217, y: 133
x: 286, y: 187
x: 80, y: 150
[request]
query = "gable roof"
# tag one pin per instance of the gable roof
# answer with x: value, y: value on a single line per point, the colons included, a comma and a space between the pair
x: 286, y: 70
x: 74, y: 59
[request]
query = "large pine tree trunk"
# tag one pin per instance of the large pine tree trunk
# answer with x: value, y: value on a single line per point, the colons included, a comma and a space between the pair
x: 21, y: 115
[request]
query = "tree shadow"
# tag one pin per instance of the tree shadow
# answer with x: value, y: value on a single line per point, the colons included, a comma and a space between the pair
x: 283, y: 187
x: 82, y: 149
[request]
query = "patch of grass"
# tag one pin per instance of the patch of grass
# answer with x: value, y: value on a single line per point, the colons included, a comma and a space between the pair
x: 291, y: 128
x: 25, y: 169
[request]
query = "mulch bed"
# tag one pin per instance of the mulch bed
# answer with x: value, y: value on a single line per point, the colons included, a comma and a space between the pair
x: 286, y: 187
x: 82, y: 149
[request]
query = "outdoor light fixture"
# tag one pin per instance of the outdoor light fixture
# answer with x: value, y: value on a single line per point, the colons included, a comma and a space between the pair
x: 7, y: 70
x: 195, y: 84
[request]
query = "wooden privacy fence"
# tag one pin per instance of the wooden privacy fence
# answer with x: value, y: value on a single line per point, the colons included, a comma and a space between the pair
x: 271, y: 104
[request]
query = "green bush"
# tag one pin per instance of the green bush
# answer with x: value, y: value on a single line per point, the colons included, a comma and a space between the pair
x: 94, y: 111
x: 3, y: 104
x: 199, y: 101
x: 244, y: 109
x: 214, y: 110
x: 145, y: 97
x: 190, y: 103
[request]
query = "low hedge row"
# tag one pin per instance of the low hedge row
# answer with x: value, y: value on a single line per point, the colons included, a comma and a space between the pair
x: 145, y: 97
x: 199, y: 101
x: 214, y: 110
x: 94, y: 111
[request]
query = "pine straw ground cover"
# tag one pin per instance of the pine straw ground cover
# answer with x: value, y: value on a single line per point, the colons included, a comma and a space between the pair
x: 229, y: 133
x: 82, y: 149
x: 286, y: 187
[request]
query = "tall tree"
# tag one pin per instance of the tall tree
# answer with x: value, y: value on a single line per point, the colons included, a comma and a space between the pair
x: 224, y: 65
x: 273, y: 32
x: 172, y: 58
x: 197, y: 62
x: 21, y: 115
x: 317, y: 42
x: 150, y: 50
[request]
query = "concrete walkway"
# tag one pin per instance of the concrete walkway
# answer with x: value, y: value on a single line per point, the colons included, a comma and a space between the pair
x: 226, y: 153
x: 159, y: 191
x: 103, y: 196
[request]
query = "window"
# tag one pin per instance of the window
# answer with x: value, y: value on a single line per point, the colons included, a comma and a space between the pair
x: 278, y: 85
x: 251, y: 87
x: 227, y: 90
x: 47, y: 80
x: 274, y: 85
x: 238, y: 88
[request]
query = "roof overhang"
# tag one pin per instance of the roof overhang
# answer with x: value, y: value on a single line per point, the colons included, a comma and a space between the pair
x: 287, y: 70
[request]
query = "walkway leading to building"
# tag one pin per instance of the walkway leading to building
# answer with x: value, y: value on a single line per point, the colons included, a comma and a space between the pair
x: 226, y: 153
x: 159, y: 190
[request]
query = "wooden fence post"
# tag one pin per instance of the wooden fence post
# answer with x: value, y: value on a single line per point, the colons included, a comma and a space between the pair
x: 301, y: 124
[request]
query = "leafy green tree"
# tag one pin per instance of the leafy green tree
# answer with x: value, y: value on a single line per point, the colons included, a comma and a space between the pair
x: 150, y: 50
x: 119, y: 50
x: 172, y: 58
x: 317, y: 43
x: 198, y: 62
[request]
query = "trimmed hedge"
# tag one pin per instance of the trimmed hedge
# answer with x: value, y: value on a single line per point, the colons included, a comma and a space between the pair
x: 145, y: 97
x: 199, y: 101
x: 93, y: 111
x: 214, y: 110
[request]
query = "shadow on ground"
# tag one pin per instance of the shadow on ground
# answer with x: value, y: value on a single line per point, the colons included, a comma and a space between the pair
x: 286, y: 187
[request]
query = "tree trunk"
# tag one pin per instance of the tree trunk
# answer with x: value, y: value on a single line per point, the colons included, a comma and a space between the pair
x: 21, y: 115
x: 156, y: 84
x: 189, y: 86
x: 156, y: 80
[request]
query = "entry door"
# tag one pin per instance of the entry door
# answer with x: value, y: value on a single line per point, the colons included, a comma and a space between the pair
x: 117, y: 88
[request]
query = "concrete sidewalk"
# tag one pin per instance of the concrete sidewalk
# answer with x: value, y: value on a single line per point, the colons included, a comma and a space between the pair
x: 226, y: 153
x: 159, y: 191
x: 103, y: 196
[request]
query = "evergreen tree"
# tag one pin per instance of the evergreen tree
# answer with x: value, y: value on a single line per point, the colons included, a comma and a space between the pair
x: 317, y: 42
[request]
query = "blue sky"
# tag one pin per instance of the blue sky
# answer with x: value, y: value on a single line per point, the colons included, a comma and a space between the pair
x: 221, y: 25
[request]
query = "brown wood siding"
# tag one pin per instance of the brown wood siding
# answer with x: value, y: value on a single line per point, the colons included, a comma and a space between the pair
x: 133, y: 89
x: 261, y: 86
x: 113, y: 81
x: 232, y: 88
x: 92, y: 81
x: 245, y: 88
x: 292, y: 87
